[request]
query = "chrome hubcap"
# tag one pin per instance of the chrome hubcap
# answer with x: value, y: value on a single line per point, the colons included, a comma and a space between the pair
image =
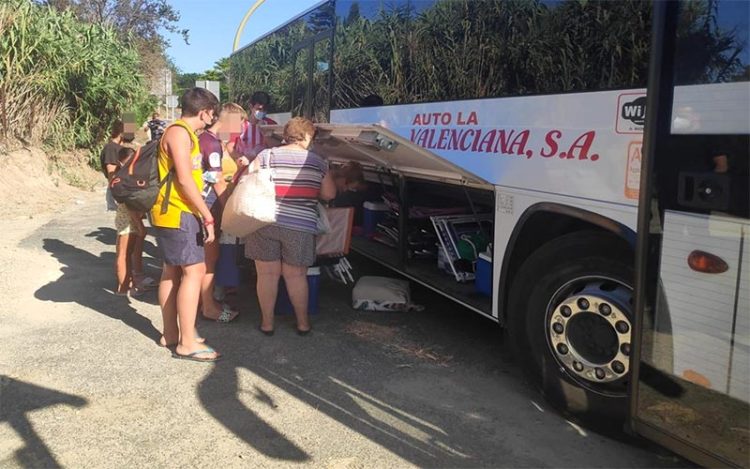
x: 589, y: 331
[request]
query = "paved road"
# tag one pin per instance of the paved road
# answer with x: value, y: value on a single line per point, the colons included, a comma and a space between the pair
x: 85, y: 385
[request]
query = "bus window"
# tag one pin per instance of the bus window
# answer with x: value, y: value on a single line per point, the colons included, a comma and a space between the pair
x: 300, y: 75
x: 321, y: 81
x: 693, y: 387
x: 414, y: 51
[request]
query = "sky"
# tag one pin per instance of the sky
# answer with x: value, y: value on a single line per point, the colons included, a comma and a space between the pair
x: 213, y: 24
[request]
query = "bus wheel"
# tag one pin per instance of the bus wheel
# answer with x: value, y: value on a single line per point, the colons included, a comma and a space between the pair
x: 571, y: 323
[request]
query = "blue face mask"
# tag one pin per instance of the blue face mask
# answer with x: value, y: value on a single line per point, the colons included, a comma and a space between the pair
x: 260, y: 115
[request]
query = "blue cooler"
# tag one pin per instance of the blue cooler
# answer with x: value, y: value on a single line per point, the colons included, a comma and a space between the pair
x: 374, y: 213
x: 483, y: 275
x: 284, y: 306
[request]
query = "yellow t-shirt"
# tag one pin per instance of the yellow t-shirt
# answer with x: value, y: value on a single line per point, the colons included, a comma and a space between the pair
x: 177, y: 202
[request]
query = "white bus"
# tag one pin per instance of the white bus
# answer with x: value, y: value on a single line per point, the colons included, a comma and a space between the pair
x: 526, y: 118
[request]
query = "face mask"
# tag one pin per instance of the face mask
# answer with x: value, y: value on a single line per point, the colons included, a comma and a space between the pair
x: 260, y: 115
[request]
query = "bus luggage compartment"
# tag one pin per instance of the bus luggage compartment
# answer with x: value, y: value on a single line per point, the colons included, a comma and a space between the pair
x: 443, y: 202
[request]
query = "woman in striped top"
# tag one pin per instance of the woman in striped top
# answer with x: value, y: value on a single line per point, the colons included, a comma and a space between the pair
x: 287, y: 248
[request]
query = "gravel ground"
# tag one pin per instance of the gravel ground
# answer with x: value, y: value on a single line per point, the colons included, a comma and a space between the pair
x: 84, y: 385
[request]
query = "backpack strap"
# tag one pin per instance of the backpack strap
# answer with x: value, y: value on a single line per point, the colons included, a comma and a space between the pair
x: 168, y: 181
x: 131, y: 166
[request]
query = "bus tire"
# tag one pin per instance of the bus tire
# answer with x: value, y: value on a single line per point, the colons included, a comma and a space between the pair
x: 570, y: 319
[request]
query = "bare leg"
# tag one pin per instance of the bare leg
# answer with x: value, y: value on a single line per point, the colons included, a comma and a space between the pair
x: 188, y: 295
x: 268, y: 289
x: 137, y: 256
x: 211, y: 308
x: 295, y: 278
x: 121, y: 263
x: 170, y: 283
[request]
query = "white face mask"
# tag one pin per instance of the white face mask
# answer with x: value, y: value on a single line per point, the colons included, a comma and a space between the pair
x: 260, y: 115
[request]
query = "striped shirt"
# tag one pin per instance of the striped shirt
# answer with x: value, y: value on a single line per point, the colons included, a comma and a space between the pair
x: 251, y: 139
x: 297, y: 175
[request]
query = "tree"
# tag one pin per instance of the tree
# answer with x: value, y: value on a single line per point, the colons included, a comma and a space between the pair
x: 138, y: 23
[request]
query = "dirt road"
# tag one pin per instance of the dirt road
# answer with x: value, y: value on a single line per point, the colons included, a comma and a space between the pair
x: 84, y: 384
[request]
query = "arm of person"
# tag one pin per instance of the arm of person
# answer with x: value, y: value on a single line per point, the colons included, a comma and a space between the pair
x: 111, y: 168
x: 178, y: 144
x: 327, y: 187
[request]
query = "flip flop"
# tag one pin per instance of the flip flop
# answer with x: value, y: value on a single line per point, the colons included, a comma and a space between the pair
x: 194, y: 356
x: 198, y: 340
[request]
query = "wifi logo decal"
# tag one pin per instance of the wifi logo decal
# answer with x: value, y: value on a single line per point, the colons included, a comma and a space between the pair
x: 631, y: 113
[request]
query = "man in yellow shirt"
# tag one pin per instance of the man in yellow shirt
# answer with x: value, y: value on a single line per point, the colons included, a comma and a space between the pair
x: 183, y: 223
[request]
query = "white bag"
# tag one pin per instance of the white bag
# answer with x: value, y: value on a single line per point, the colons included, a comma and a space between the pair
x: 252, y: 204
x: 383, y: 294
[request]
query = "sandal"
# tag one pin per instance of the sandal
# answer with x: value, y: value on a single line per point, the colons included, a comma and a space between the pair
x: 194, y: 355
x: 226, y: 315
x: 143, y: 282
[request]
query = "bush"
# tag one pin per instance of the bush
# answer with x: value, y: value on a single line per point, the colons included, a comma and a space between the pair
x: 62, y: 81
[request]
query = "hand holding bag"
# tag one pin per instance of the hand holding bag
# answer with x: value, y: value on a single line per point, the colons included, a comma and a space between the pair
x: 252, y: 204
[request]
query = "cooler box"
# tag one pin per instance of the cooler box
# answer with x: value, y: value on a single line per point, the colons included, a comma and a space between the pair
x: 483, y: 275
x: 374, y: 213
x: 284, y: 306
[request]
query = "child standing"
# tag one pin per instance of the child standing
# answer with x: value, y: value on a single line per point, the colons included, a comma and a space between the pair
x: 130, y: 230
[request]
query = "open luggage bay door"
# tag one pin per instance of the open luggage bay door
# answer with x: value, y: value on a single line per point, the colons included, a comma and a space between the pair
x: 379, y: 149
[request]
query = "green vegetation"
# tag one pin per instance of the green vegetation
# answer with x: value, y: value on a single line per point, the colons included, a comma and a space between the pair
x: 62, y: 81
x: 68, y: 70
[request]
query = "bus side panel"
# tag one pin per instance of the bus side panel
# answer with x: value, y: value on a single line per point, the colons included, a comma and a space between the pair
x: 281, y: 118
x: 578, y: 144
x: 512, y: 204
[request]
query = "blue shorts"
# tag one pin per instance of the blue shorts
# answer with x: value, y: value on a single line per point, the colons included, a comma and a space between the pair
x: 183, y: 245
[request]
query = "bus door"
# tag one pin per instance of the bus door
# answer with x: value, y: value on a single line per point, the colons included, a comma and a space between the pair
x: 691, y: 363
x: 311, y: 83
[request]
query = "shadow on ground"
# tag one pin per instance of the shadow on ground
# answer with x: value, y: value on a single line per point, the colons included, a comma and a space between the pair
x: 345, y: 376
x: 82, y: 273
x: 17, y: 399
x: 108, y: 236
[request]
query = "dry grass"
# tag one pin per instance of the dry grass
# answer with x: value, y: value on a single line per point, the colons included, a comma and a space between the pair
x: 393, y: 338
x: 34, y: 183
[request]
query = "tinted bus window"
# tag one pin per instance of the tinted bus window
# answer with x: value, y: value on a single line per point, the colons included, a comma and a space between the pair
x: 268, y: 64
x: 411, y: 51
x: 712, y: 43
